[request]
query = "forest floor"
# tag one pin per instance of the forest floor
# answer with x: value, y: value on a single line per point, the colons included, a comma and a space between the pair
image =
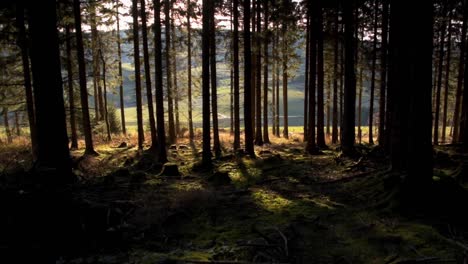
x: 283, y: 206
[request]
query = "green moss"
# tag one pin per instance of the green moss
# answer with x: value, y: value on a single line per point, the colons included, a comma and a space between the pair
x: 154, y: 182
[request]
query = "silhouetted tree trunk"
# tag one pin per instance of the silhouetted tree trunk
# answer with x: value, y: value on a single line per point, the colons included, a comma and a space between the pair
x: 443, y: 28
x: 447, y: 76
x: 71, y: 94
x: 464, y: 116
x: 106, y: 114
x: 27, y: 76
x: 98, y: 103
x: 214, y: 84
x: 359, y: 111
x: 189, y: 71
x: 277, y: 84
x: 411, y: 74
x: 458, y: 96
x: 329, y: 87
x: 149, y: 92
x: 162, y: 154
x: 136, y: 56
x: 17, y: 124
x: 249, y: 146
x: 313, y: 11
x: 52, y: 136
x: 169, y: 80
x: 320, y: 80
x: 121, y: 92
x: 285, y: 82
x: 266, y: 138
x: 335, y: 79
x: 236, y: 75
x: 89, y: 150
x: 383, y: 74
x: 347, y: 142
x: 373, y: 71
x: 206, y: 156
x: 306, y: 77
x: 342, y: 84
x: 258, y: 78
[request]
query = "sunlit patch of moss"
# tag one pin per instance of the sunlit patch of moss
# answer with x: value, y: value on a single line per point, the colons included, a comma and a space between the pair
x: 185, y: 185
x: 154, y: 182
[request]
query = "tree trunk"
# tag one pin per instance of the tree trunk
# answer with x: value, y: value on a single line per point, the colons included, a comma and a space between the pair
x: 27, y: 77
x: 320, y: 81
x: 464, y: 116
x: 52, y: 136
x: 249, y: 146
x: 443, y: 28
x: 335, y: 79
x: 98, y: 103
x: 6, y: 124
x: 313, y: 11
x: 162, y: 154
x: 17, y: 124
x: 306, y: 77
x: 149, y: 92
x: 89, y: 149
x: 359, y: 111
x: 236, y: 76
x: 329, y: 87
x: 214, y: 84
x: 189, y: 71
x: 206, y: 157
x: 411, y: 74
x: 349, y: 110
x: 121, y: 92
x: 447, y: 76
x: 258, y: 79
x: 373, y: 71
x: 342, y: 84
x: 277, y: 85
x: 106, y: 114
x: 71, y: 94
x: 266, y: 138
x: 461, y: 76
x: 285, y: 82
x: 136, y: 56
x: 383, y: 74
x: 174, y: 70
x: 170, y: 92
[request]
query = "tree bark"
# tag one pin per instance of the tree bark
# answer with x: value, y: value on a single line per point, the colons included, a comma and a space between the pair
x: 136, y: 56
x: 106, y: 113
x: 249, y: 146
x: 461, y: 76
x: 373, y: 71
x: 121, y: 92
x: 335, y: 79
x: 349, y: 110
x: 306, y: 77
x: 206, y: 156
x: 214, y: 84
x: 149, y: 92
x: 258, y: 78
x: 285, y: 82
x: 169, y: 80
x: 189, y: 71
x: 98, y: 102
x: 236, y: 76
x: 320, y: 81
x: 313, y: 11
x: 6, y: 124
x: 89, y: 149
x: 174, y: 70
x: 383, y: 74
x: 266, y: 138
x: 71, y: 94
x: 162, y: 154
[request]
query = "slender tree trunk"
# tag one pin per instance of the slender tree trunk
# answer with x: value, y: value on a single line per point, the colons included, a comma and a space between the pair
x: 359, y: 110
x: 464, y: 116
x: 439, y: 76
x: 313, y: 10
x: 71, y: 94
x: 329, y: 88
x: 285, y: 83
x: 6, y: 124
x: 214, y: 84
x: 17, y: 124
x: 136, y: 56
x: 266, y: 138
x: 373, y: 71
x: 52, y: 136
x: 277, y: 86
x: 320, y: 81
x: 169, y: 80
x: 89, y: 149
x: 162, y: 154
x: 253, y: 73
x: 258, y: 79
x: 461, y: 76
x: 189, y: 71
x: 236, y: 75
x: 383, y: 74
x: 121, y: 92
x: 174, y: 70
x: 149, y: 91
x: 335, y: 80
x: 447, y: 76
x: 306, y: 77
x: 98, y: 103
x: 249, y: 146
x: 106, y: 114
x: 342, y: 85
x: 349, y: 114
x: 206, y: 157
x: 27, y: 77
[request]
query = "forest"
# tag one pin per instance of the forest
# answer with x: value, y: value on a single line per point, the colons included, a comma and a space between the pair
x: 233, y: 131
